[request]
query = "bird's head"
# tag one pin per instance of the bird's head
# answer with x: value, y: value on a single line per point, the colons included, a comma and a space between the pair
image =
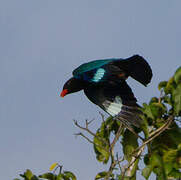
x: 71, y: 86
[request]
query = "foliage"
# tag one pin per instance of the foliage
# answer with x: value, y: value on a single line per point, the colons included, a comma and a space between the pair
x: 66, y: 175
x: 159, y: 149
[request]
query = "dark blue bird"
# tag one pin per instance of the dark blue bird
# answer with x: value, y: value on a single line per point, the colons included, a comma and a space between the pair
x: 104, y: 83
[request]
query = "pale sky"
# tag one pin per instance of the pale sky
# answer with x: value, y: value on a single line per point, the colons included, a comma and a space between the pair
x: 41, y: 42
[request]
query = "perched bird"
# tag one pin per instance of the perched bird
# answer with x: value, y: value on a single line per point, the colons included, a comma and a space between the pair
x: 104, y: 83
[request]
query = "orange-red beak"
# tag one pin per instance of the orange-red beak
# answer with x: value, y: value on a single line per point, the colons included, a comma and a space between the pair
x: 64, y: 92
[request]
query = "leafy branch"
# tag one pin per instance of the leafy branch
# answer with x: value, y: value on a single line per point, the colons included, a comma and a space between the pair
x: 160, y: 149
x: 158, y: 123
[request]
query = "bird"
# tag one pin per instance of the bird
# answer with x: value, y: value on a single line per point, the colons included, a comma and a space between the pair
x: 104, y: 83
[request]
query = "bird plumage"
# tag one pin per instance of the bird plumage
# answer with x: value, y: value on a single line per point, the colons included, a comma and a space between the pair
x: 103, y: 82
x: 115, y: 69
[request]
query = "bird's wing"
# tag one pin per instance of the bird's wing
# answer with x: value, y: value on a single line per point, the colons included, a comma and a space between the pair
x: 115, y: 70
x: 99, y: 71
x: 136, y: 67
x: 117, y: 100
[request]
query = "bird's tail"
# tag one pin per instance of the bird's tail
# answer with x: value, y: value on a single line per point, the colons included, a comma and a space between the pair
x: 138, y: 68
x: 130, y: 116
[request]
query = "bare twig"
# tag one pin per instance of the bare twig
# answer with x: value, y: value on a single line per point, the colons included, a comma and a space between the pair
x: 102, y: 116
x: 161, y: 95
x: 111, y: 150
x: 116, y: 136
x: 119, y: 161
x: 86, y: 128
x: 81, y: 134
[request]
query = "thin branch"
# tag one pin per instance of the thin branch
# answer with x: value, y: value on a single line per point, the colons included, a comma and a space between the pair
x: 132, y: 130
x: 92, y: 142
x: 117, y: 136
x: 132, y: 162
x: 164, y: 127
x: 140, y: 149
x: 161, y: 95
x: 88, y: 122
x: 157, y: 132
x: 102, y: 116
x: 119, y: 161
x: 135, y: 155
x: 111, y: 150
x: 86, y: 128
x: 81, y: 134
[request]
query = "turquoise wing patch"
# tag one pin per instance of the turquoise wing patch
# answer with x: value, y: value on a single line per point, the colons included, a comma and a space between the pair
x: 94, y: 71
x: 90, y: 66
x: 98, y: 75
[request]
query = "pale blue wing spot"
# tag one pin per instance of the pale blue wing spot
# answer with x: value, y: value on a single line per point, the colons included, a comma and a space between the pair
x: 98, y: 75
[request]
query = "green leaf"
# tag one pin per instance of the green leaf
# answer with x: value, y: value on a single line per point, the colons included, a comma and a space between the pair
x: 147, y: 171
x: 162, y: 84
x: 128, y: 178
x: 60, y: 177
x: 158, y: 109
x: 179, y: 147
x: 129, y: 144
x: 170, y: 156
x: 172, y: 138
x: 70, y: 175
x: 144, y: 126
x: 158, y: 167
x: 176, y: 96
x: 155, y: 159
x: 153, y: 100
x: 147, y: 159
x: 27, y: 175
x: 175, y: 174
x: 34, y: 178
x: 49, y: 176
x: 101, y: 175
x: 170, y: 86
x: 167, y: 99
x: 101, y: 148
x: 177, y: 75
x: 147, y: 110
x: 168, y: 167
x: 101, y: 141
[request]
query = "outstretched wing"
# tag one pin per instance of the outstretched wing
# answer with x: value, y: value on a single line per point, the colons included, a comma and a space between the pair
x: 115, y: 70
x: 99, y: 71
x: 117, y: 100
x: 136, y: 67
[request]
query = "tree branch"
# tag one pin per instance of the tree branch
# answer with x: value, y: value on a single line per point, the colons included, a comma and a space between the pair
x: 111, y: 150
x: 140, y: 149
x: 81, y: 134
x: 86, y: 128
x: 156, y: 133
